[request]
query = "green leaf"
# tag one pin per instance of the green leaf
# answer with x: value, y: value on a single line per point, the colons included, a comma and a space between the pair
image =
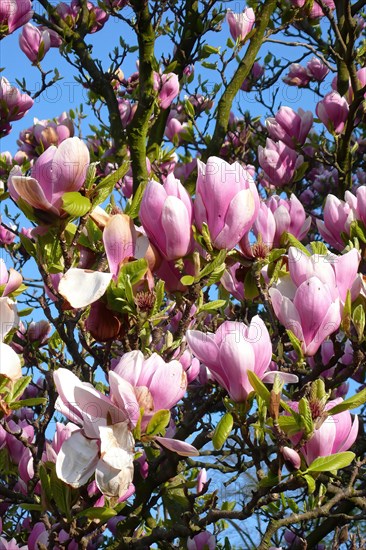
x: 289, y: 425
x: 20, y: 386
x: 75, y: 204
x: 45, y: 483
x: 133, y: 207
x: 259, y: 387
x: 31, y: 507
x: 103, y: 514
x: 296, y: 344
x: 32, y: 402
x: 290, y: 240
x: 358, y: 319
x: 358, y: 230
x: 25, y: 312
x: 158, y: 423
x: 306, y: 417
x: 311, y: 483
x: 213, y: 306
x: 189, y: 109
x: 350, y: 403
x: 222, y: 431
x: 90, y: 175
x: 61, y: 494
x: 187, y: 280
x: 214, y: 264
x: 106, y: 186
x: 332, y: 462
x: 28, y: 245
x: 319, y: 248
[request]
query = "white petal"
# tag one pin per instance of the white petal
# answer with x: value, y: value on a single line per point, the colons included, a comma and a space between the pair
x: 117, y: 445
x: 113, y: 482
x: 81, y: 287
x: 9, y: 362
x: 77, y: 459
x: 8, y: 316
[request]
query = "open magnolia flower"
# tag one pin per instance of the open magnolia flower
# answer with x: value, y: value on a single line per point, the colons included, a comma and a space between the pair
x: 103, y: 445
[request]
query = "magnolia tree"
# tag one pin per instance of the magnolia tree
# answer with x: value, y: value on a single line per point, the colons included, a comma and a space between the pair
x: 182, y: 292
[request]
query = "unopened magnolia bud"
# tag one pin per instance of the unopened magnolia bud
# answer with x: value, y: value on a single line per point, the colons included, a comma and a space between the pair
x: 292, y: 458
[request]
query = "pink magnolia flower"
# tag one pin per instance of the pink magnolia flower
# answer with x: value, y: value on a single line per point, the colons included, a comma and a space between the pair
x: 226, y: 199
x: 156, y: 384
x: 316, y: 9
x: 10, y: 280
x: 119, y: 238
x: 167, y: 86
x: 291, y: 456
x: 44, y: 133
x: 311, y: 310
x: 256, y: 73
x: 34, y: 42
x: 316, y: 68
x: 166, y: 214
x: 333, y: 112
x: 232, y: 283
x: 275, y: 217
x: 279, y: 162
x: 57, y: 171
x: 338, y: 216
x: 13, y: 105
x: 338, y: 272
x: 203, y: 541
x: 233, y: 350
x: 297, y: 76
x: 290, y: 127
x: 14, y: 14
x: 126, y: 110
x: 332, y: 434
x: 240, y: 24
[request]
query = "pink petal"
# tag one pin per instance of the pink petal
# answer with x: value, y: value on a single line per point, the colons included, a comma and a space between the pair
x: 180, y: 447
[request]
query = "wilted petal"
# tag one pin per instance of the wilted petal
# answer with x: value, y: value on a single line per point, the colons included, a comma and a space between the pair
x: 113, y: 482
x: 82, y: 287
x: 77, y: 459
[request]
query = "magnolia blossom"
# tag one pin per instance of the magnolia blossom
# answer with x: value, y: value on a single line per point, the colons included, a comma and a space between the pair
x: 333, y: 112
x: 226, y: 199
x: 34, y: 42
x: 166, y: 214
x: 56, y: 172
x: 10, y: 280
x: 232, y: 351
x: 310, y: 310
x: 167, y: 86
x: 290, y: 127
x: 156, y: 384
x: 279, y: 162
x: 103, y: 445
x: 333, y: 434
x: 14, y: 14
x: 13, y: 105
x: 240, y: 24
x: 337, y: 218
x: 9, y: 362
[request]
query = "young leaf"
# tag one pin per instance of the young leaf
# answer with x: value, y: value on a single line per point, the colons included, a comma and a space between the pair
x: 222, y: 431
x: 75, y: 204
x: 158, y: 423
x: 259, y: 387
x: 331, y: 462
x: 350, y: 403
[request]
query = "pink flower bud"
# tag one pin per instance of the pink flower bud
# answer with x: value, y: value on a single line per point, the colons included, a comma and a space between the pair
x: 317, y: 70
x: 333, y: 112
x: 290, y: 127
x: 13, y: 105
x: 34, y: 42
x: 13, y: 15
x: 167, y: 86
x: 201, y: 480
x: 166, y: 214
x: 240, y: 24
x: 203, y: 540
x: 291, y: 456
x: 279, y: 162
x: 297, y: 76
x: 226, y: 200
